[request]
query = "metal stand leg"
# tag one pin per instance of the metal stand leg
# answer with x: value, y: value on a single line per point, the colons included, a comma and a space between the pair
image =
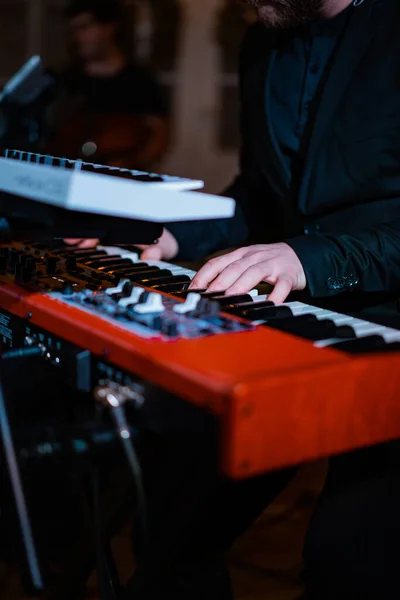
x: 108, y: 580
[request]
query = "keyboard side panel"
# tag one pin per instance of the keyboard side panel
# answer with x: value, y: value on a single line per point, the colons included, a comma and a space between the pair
x: 295, y: 417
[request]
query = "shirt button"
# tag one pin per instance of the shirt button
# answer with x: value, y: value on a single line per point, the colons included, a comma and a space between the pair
x: 351, y: 281
x: 336, y: 283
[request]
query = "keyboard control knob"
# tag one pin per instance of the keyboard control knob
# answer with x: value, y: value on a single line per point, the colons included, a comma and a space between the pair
x: 118, y: 289
x: 13, y: 257
x: 189, y: 305
x: 70, y: 263
x: 134, y: 298
x: 170, y: 329
x: 157, y: 324
x: 127, y: 289
x: 67, y: 289
x: 51, y: 265
x: 154, y: 304
x: 143, y: 297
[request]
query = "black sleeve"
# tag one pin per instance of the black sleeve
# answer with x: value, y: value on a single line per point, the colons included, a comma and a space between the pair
x: 368, y: 260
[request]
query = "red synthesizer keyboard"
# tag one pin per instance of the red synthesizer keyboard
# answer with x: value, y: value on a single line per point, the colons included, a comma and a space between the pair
x: 288, y: 383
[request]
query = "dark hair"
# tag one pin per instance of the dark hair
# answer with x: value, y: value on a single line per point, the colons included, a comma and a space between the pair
x: 104, y: 11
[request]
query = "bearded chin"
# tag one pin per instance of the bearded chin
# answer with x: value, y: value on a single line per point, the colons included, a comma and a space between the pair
x: 287, y: 13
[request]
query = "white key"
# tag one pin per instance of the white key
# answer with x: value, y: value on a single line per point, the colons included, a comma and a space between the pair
x: 262, y: 298
x: 112, y: 250
x: 118, y: 289
x: 134, y: 298
x: 391, y: 335
x: 189, y: 305
x: 153, y: 304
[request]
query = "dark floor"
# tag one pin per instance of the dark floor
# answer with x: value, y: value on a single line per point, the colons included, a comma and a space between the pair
x: 265, y: 562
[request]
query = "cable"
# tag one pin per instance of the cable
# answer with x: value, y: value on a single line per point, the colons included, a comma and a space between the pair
x: 114, y: 397
x: 124, y: 432
x: 23, y: 353
x: 16, y: 484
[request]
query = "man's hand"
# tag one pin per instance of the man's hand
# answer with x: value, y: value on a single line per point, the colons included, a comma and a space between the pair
x: 79, y: 243
x: 240, y: 271
x: 165, y: 249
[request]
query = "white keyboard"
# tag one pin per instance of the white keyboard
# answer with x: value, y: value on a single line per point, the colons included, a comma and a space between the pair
x: 89, y: 188
x: 134, y: 257
x: 360, y: 327
x: 176, y: 270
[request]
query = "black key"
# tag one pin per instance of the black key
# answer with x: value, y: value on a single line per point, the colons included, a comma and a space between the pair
x: 242, y: 309
x: 128, y: 272
x: 209, y: 294
x: 145, y: 278
x: 176, y: 285
x: 171, y: 288
x: 99, y: 263
x: 85, y: 257
x: 134, y: 267
x: 265, y: 313
x: 173, y: 279
x: 370, y: 343
x: 65, y: 250
x: 310, y: 328
x: 142, y: 266
x: 185, y: 293
x: 233, y: 300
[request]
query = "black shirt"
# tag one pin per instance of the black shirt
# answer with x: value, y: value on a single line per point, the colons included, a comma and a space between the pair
x: 297, y: 70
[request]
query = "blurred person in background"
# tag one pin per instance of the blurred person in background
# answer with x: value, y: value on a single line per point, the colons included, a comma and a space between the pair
x: 109, y: 110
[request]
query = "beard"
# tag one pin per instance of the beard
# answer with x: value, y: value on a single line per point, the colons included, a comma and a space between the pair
x: 285, y: 14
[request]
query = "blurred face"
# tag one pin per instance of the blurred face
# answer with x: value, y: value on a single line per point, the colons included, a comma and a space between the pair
x: 284, y: 14
x: 91, y: 38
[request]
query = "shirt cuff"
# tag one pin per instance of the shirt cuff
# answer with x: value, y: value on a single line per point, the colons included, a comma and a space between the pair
x: 327, y: 272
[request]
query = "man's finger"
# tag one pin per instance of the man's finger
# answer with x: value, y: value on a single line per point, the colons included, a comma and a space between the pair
x: 249, y: 279
x: 73, y: 242
x: 80, y: 243
x: 247, y: 275
x: 88, y: 244
x: 151, y: 253
x: 213, y: 268
x: 281, y: 291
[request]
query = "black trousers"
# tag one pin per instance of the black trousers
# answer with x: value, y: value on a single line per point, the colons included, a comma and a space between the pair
x: 352, y: 549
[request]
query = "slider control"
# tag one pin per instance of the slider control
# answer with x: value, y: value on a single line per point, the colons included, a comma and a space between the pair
x: 189, y: 305
x: 153, y: 304
x: 134, y: 298
x: 118, y: 289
